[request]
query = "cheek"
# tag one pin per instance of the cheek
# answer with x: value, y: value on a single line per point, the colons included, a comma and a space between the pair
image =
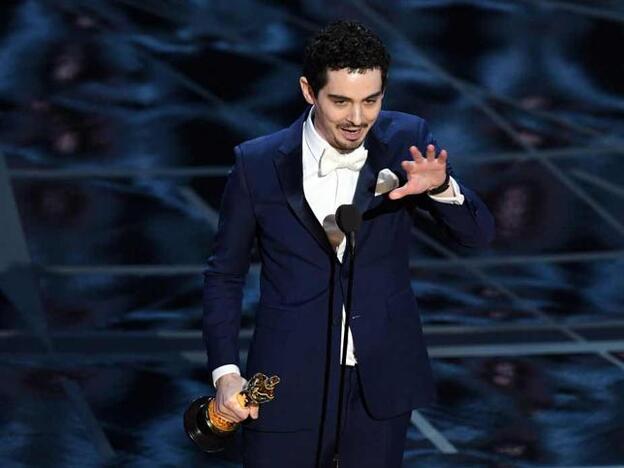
x: 334, y: 119
x: 373, y: 113
x: 330, y: 119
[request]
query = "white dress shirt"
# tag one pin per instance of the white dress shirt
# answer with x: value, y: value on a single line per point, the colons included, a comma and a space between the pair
x: 324, y: 195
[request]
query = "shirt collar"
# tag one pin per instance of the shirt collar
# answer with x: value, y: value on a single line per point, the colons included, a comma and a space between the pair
x: 316, y: 143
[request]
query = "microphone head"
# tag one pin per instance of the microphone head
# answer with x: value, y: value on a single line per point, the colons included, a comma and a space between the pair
x: 348, y: 218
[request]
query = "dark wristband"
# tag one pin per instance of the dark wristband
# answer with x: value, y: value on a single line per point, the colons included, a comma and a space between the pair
x: 440, y: 188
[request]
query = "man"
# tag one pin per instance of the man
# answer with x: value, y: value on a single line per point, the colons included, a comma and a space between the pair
x: 283, y: 191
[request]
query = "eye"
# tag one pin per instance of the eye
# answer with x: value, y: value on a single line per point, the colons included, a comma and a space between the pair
x: 339, y: 102
x: 371, y: 101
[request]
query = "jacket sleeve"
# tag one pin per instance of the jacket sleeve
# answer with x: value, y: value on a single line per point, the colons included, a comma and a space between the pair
x: 224, y: 276
x: 470, y: 224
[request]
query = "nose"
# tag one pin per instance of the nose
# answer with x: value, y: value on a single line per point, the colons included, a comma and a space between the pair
x: 355, y: 117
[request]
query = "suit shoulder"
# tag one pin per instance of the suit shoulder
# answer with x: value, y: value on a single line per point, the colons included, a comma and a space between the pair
x: 395, y: 123
x: 262, y: 146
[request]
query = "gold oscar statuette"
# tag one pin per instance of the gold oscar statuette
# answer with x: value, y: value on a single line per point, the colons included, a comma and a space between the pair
x: 208, y: 430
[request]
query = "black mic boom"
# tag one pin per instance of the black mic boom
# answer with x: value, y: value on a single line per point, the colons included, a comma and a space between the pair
x: 348, y: 219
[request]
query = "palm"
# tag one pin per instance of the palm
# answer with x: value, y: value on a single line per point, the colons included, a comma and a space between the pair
x: 422, y: 173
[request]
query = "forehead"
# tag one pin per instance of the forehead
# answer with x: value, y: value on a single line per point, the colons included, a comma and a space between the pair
x: 353, y: 83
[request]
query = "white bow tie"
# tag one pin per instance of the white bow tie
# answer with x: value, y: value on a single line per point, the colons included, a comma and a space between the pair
x: 332, y: 160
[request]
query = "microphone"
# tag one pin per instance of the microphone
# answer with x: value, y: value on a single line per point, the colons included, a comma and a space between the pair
x: 349, y: 220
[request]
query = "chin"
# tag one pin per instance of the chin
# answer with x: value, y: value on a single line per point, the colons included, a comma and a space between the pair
x: 348, y: 145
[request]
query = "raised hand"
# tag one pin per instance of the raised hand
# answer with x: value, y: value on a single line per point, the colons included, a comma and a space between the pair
x: 422, y: 173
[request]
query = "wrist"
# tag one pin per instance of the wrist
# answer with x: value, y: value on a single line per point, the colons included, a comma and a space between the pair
x: 440, y: 188
x: 229, y: 377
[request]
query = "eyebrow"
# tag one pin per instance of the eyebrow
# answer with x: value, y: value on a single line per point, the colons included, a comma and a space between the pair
x: 345, y: 98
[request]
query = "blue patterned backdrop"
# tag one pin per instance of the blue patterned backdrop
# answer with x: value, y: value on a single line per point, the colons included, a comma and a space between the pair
x: 117, y: 123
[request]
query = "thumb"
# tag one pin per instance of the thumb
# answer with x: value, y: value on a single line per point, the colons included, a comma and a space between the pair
x: 397, y: 193
x: 254, y: 412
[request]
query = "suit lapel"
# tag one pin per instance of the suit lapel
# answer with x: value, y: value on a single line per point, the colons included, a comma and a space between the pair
x: 367, y: 180
x: 289, y: 167
x: 290, y: 172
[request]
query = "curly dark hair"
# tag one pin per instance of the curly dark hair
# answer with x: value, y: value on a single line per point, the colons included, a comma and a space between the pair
x: 344, y: 44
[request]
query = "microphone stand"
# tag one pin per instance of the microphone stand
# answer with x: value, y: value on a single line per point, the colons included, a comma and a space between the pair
x: 351, y: 246
x: 328, y: 356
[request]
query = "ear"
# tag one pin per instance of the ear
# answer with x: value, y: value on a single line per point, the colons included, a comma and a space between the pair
x: 306, y: 90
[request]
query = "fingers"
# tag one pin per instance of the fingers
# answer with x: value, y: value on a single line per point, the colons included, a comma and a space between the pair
x: 253, y: 411
x: 410, y: 166
x: 231, y: 410
x: 236, y: 414
x: 442, y: 157
x: 431, y: 154
x: 407, y: 166
x: 397, y: 193
x: 416, y: 154
x: 226, y: 402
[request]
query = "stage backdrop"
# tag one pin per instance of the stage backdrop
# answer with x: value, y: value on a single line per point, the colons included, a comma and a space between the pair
x: 117, y: 123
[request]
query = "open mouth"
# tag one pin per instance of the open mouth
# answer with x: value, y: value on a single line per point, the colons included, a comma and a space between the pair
x: 352, y: 134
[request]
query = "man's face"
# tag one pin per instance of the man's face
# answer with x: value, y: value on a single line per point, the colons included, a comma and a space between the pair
x: 346, y: 107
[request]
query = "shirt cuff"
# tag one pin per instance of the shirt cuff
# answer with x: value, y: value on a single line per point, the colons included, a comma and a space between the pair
x: 222, y: 370
x: 456, y: 199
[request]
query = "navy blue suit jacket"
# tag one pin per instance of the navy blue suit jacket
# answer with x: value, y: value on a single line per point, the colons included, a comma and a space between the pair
x: 302, y: 279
